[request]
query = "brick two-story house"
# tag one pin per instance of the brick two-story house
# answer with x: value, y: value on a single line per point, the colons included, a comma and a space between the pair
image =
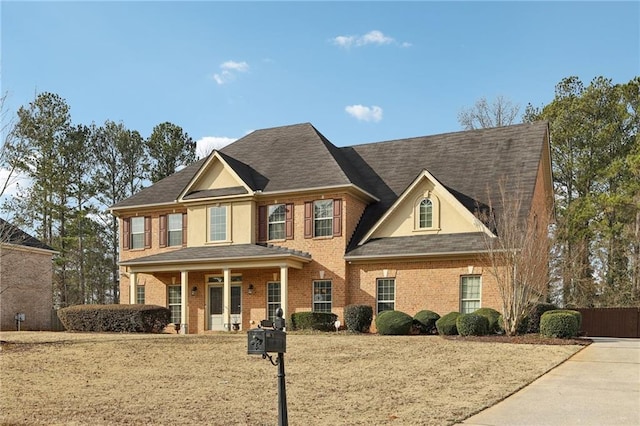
x: 284, y: 218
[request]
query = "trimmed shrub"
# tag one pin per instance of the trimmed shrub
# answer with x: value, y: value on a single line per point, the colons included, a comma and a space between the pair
x: 577, y: 314
x: 393, y: 323
x: 115, y: 318
x: 446, y: 325
x: 472, y: 325
x: 358, y: 318
x: 559, y: 323
x: 425, y: 322
x: 321, y: 321
x: 536, y: 314
x: 492, y: 317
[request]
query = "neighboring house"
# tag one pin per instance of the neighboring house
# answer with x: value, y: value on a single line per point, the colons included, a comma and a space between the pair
x: 26, y: 279
x: 282, y: 217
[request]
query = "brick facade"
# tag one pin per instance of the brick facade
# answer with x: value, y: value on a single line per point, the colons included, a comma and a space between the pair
x: 26, y: 277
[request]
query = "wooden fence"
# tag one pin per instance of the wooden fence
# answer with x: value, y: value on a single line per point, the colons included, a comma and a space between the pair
x: 610, y: 322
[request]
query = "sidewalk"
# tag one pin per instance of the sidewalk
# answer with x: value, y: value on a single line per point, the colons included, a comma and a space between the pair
x: 600, y: 385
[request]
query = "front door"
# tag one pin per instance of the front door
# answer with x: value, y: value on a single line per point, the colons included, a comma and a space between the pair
x: 216, y: 319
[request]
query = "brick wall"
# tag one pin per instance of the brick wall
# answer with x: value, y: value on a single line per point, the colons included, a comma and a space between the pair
x: 26, y: 278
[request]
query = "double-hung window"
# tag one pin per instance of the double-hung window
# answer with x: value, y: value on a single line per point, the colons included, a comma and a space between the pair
x: 273, y: 299
x: 218, y: 223
x: 322, y: 218
x: 386, y: 294
x: 470, y: 290
x: 140, y: 294
x: 276, y: 221
x: 174, y: 229
x: 137, y: 233
x: 426, y: 213
x: 174, y: 303
x: 322, y: 296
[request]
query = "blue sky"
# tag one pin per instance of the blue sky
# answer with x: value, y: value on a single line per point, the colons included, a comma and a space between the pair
x: 358, y: 71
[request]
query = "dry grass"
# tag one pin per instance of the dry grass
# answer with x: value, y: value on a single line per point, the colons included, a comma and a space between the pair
x: 332, y: 379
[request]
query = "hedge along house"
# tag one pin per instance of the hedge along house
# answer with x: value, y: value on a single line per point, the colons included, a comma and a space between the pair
x: 284, y: 218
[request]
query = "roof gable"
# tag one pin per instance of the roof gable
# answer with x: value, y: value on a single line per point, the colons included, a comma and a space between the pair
x: 449, y: 214
x: 216, y: 178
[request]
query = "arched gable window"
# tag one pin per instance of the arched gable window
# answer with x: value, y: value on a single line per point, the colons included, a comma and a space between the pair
x: 426, y: 213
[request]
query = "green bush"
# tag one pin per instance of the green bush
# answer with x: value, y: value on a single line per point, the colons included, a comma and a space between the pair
x: 393, y: 323
x: 577, y: 314
x: 536, y: 314
x: 425, y: 322
x: 446, y: 325
x: 492, y: 316
x: 472, y: 325
x: 358, y: 318
x: 322, y: 321
x: 559, y: 323
x: 115, y: 318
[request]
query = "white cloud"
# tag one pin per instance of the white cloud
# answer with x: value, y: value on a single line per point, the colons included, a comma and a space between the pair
x: 372, y: 37
x: 365, y: 113
x: 375, y: 37
x: 205, y: 145
x: 229, y: 71
x: 235, y: 66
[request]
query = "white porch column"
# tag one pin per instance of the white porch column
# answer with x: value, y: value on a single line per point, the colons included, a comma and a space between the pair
x: 284, y: 290
x: 184, y: 297
x: 133, y: 280
x: 226, y: 299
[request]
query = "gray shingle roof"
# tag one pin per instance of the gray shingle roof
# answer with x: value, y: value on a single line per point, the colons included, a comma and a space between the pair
x: 219, y: 253
x: 11, y: 234
x: 298, y: 157
x: 420, y: 245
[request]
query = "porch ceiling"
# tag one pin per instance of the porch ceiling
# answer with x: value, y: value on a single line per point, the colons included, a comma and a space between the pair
x: 219, y: 257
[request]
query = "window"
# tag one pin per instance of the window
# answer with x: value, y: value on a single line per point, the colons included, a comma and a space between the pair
x: 273, y: 299
x: 175, y: 305
x: 322, y: 296
x: 322, y: 218
x: 140, y: 294
x: 386, y: 294
x: 175, y: 229
x: 218, y: 223
x: 137, y: 232
x: 426, y: 213
x: 470, y: 293
x: 276, y: 222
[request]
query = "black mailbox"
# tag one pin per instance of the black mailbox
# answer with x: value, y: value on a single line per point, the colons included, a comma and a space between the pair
x: 262, y: 341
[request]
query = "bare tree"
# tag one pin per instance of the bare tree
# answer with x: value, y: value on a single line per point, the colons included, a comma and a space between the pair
x: 518, y: 255
x: 7, y: 167
x: 500, y: 112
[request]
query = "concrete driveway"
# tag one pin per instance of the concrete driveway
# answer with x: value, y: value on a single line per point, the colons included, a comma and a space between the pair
x: 600, y: 385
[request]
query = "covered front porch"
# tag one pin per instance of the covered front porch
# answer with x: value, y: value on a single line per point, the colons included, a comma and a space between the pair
x: 220, y: 288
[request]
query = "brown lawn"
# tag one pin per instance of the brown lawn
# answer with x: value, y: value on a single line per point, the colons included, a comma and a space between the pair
x: 331, y: 379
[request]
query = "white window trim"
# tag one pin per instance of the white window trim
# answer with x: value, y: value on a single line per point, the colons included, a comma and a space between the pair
x: 314, y: 302
x: 479, y: 299
x: 435, y: 213
x: 131, y: 245
x: 179, y: 303
x: 279, y: 302
x: 283, y: 222
x: 169, y: 230
x: 378, y: 300
x: 329, y: 218
x: 227, y: 238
